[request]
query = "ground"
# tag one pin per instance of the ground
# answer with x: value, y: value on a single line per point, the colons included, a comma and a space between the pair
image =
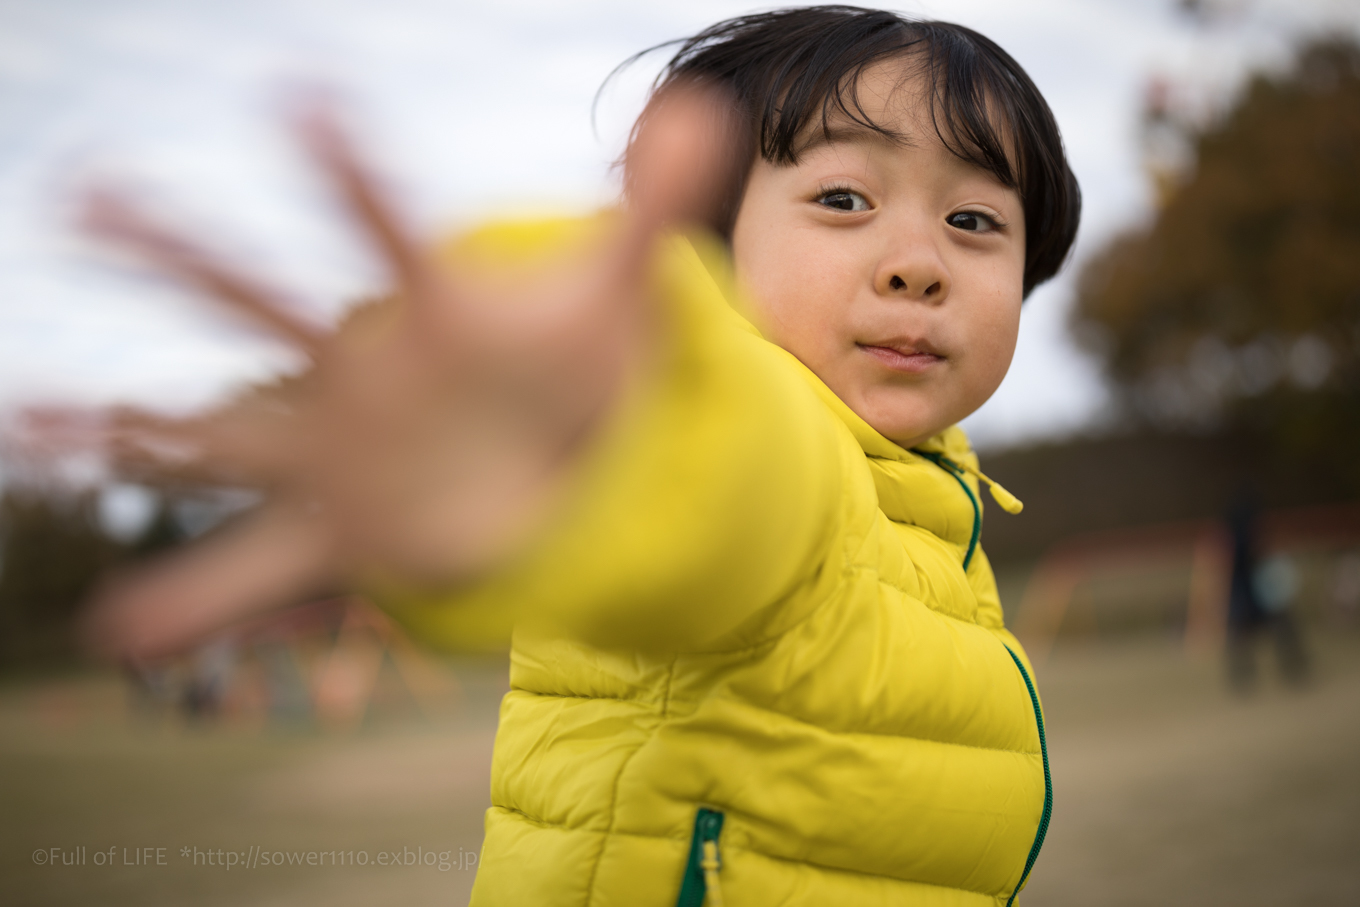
x: 1168, y: 791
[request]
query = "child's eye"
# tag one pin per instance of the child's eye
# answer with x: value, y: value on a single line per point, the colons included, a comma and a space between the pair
x: 972, y: 221
x: 844, y: 200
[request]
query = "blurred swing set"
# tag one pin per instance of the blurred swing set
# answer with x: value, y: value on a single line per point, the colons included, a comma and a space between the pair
x: 331, y: 664
x: 1053, y: 592
x: 337, y: 662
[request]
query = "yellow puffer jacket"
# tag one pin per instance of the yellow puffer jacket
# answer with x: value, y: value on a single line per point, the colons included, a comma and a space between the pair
x: 760, y: 655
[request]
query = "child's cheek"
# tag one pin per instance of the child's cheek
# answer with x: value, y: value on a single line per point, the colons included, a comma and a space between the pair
x: 994, y: 340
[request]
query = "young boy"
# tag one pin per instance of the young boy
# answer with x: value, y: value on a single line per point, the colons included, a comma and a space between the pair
x: 760, y: 656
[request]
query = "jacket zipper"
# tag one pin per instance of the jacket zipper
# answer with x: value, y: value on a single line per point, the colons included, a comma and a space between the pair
x: 956, y: 471
x: 701, y: 870
x: 1006, y: 499
x: 1048, y: 781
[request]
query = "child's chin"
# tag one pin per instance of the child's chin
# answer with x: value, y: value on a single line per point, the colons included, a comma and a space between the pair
x: 901, y: 416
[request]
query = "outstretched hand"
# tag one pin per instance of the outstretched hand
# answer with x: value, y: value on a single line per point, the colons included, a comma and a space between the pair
x: 430, y: 438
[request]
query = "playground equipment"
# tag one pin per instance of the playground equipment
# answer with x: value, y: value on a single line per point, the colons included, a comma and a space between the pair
x: 1203, y: 544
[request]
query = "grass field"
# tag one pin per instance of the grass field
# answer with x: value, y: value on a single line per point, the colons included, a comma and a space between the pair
x: 1167, y: 791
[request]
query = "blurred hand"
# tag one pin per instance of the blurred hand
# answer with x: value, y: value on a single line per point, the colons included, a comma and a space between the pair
x: 426, y: 441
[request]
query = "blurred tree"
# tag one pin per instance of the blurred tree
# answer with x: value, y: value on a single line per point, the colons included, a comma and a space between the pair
x: 1238, y: 307
x: 53, y: 548
x: 52, y: 551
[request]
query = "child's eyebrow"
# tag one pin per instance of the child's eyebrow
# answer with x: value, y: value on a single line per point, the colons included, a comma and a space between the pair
x: 845, y: 132
x: 851, y: 133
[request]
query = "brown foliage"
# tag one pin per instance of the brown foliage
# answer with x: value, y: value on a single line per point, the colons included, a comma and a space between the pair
x: 53, y: 552
x: 1240, y: 303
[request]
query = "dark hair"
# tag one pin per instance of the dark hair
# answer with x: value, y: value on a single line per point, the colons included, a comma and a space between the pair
x: 787, y: 68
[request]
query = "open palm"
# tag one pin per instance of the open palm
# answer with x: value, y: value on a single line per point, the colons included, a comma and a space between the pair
x: 430, y: 436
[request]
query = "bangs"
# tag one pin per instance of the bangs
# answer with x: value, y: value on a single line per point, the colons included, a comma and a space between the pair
x: 964, y: 102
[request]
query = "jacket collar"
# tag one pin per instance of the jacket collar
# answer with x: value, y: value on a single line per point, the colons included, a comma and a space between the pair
x: 912, y: 488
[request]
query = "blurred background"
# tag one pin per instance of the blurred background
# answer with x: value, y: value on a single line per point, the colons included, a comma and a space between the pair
x: 1182, y: 422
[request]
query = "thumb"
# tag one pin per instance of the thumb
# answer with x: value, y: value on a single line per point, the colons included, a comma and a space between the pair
x: 683, y: 157
x: 270, y: 559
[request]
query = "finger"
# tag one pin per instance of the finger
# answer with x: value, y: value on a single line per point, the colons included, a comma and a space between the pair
x: 111, y: 215
x: 246, y: 444
x: 321, y: 134
x: 58, y: 429
x: 271, y: 559
x: 681, y: 160
x: 680, y: 165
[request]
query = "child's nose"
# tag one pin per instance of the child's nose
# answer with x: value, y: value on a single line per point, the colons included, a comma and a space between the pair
x: 921, y: 276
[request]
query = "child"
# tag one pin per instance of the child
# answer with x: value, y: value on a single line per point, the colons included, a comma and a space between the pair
x: 760, y: 656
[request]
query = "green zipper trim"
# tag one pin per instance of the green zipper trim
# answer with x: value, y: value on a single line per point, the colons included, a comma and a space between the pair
x: 693, y: 888
x: 1048, y: 780
x: 956, y: 471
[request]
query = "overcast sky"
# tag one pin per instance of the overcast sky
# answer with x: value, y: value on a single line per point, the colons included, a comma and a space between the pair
x: 472, y: 109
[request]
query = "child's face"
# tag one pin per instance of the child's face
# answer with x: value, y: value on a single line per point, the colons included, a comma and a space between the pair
x: 893, y: 270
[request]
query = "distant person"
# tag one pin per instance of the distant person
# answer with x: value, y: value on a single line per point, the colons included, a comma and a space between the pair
x: 209, y: 677
x: 1346, y: 589
x: 1260, y: 599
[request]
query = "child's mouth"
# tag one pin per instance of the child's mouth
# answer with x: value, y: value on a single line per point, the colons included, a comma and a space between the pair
x: 913, y: 359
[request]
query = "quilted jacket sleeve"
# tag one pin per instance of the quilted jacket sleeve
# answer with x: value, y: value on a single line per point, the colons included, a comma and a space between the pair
x: 711, y: 495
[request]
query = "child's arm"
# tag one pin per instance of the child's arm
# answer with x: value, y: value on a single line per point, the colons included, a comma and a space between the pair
x: 708, y: 495
x: 431, y: 443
